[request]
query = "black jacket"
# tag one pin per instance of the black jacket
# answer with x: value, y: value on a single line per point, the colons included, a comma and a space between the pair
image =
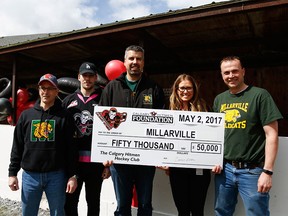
x: 147, y: 94
x: 43, y: 141
x: 82, y: 109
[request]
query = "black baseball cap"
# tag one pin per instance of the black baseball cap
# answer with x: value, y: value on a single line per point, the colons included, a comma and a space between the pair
x: 87, y: 67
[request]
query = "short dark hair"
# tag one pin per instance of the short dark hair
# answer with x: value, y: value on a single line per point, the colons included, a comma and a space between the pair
x: 134, y: 48
x: 231, y: 58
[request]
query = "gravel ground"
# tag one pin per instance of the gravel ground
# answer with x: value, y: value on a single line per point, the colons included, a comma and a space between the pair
x: 13, y: 208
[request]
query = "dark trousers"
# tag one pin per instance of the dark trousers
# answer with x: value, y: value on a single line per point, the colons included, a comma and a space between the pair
x: 189, y: 190
x: 124, y: 178
x: 91, y: 174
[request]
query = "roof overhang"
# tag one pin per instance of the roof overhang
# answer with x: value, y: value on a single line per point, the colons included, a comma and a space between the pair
x: 176, y: 41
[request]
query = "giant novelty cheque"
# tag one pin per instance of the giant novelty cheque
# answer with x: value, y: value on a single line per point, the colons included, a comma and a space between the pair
x: 157, y: 137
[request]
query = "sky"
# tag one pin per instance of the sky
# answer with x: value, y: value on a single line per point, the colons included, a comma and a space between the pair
x: 22, y: 17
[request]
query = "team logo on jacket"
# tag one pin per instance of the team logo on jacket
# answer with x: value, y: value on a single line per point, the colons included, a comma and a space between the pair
x: 72, y: 104
x: 147, y: 99
x: 84, y: 123
x: 42, y: 131
x: 112, y: 118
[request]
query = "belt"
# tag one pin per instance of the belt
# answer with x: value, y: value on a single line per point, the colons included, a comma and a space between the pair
x: 244, y: 165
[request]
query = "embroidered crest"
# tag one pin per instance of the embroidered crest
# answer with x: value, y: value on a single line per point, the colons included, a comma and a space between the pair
x: 147, y: 99
x: 42, y: 131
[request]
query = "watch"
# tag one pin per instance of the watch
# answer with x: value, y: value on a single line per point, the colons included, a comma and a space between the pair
x: 268, y: 172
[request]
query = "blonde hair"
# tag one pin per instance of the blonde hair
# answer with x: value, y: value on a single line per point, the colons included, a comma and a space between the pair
x: 196, y: 103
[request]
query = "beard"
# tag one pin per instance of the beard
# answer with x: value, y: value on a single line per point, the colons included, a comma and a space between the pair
x: 88, y: 87
x: 135, y: 75
x: 135, y: 71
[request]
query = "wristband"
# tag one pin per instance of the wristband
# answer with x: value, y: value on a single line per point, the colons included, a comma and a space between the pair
x: 268, y: 172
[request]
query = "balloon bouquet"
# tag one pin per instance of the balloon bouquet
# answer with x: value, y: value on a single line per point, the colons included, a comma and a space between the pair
x: 67, y: 85
x: 23, y: 102
x: 26, y: 98
x: 113, y: 69
x: 5, y: 105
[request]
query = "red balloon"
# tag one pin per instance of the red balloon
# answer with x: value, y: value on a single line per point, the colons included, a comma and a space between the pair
x: 22, y: 96
x: 28, y: 105
x: 19, y: 110
x: 10, y: 120
x: 114, y: 69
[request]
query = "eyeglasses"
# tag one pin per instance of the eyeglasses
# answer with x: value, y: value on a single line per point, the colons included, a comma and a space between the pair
x: 42, y: 88
x: 188, y: 89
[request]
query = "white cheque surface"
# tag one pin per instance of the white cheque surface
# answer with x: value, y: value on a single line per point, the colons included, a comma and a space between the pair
x: 157, y: 137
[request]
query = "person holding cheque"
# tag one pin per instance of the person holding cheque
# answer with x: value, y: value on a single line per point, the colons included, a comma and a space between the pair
x: 132, y: 89
x: 189, y: 185
x: 251, y: 143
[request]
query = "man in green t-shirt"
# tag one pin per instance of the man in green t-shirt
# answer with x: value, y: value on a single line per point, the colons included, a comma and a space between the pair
x: 250, y: 143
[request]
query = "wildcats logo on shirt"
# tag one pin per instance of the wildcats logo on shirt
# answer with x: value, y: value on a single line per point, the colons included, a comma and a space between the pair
x: 235, y: 115
x: 73, y: 104
x: 42, y: 131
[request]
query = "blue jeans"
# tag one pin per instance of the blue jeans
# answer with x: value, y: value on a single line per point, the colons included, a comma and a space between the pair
x: 124, y: 177
x: 230, y: 182
x: 33, y: 185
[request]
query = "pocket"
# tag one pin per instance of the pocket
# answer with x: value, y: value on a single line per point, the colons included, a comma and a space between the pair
x: 255, y: 171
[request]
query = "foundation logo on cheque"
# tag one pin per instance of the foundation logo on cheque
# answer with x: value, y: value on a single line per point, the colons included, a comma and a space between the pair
x: 112, y: 118
x: 152, y: 117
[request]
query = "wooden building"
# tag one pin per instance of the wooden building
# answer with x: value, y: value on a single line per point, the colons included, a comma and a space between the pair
x: 191, y: 40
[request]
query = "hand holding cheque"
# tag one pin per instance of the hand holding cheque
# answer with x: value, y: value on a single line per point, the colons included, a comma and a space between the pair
x: 157, y: 137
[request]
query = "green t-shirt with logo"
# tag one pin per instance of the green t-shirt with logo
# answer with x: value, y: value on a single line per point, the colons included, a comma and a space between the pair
x: 245, y: 115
